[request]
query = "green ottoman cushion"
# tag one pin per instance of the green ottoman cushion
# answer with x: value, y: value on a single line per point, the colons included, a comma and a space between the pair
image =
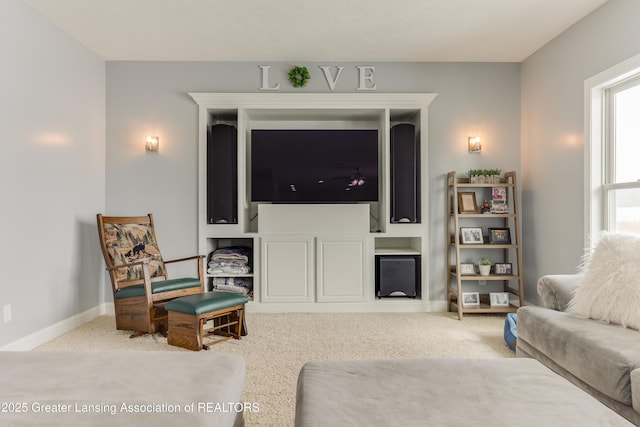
x: 159, y: 287
x: 205, y: 303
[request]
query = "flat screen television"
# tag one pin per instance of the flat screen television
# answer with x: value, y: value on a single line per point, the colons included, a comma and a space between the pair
x: 314, y: 166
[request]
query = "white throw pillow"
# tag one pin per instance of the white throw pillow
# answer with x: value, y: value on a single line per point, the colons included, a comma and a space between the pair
x: 611, y: 287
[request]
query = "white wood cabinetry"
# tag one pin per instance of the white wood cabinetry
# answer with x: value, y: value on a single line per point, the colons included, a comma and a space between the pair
x: 316, y: 257
x: 303, y: 268
x: 342, y: 268
x: 287, y: 268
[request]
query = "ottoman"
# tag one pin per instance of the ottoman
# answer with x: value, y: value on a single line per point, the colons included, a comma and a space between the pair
x: 194, y: 317
x: 121, y: 388
x: 443, y: 392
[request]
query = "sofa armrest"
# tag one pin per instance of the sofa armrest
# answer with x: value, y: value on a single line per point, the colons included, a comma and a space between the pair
x: 635, y: 389
x: 557, y: 290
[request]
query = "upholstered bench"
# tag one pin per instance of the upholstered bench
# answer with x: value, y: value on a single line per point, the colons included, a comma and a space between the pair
x: 444, y: 392
x: 194, y: 317
x: 121, y: 388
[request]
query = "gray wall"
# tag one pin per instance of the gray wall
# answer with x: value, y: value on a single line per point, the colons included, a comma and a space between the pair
x: 151, y: 98
x: 553, y: 146
x: 52, y: 148
x: 52, y: 173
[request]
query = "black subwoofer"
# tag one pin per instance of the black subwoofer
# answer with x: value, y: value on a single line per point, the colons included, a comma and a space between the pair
x: 397, y: 276
x: 405, y: 174
x: 222, y: 174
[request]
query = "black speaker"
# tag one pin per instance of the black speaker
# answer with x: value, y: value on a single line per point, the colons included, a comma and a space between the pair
x: 405, y: 174
x: 397, y: 275
x: 222, y: 174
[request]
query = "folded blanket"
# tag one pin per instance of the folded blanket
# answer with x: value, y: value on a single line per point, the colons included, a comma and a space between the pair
x: 233, y: 254
x: 240, y: 285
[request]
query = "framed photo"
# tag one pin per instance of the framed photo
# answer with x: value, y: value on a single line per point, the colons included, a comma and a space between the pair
x: 503, y: 268
x: 499, y: 299
x: 471, y: 235
x: 499, y: 236
x: 499, y: 193
x: 499, y: 207
x: 467, y: 202
x: 467, y: 269
x: 470, y: 299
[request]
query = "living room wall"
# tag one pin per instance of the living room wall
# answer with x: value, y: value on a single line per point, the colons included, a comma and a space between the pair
x: 553, y: 144
x: 52, y: 153
x: 150, y: 98
x: 52, y: 174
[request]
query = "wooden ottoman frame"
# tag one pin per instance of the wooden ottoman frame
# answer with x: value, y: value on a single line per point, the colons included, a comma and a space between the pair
x: 196, y: 317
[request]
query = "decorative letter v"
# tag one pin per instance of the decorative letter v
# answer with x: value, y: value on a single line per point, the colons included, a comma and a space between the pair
x: 327, y: 75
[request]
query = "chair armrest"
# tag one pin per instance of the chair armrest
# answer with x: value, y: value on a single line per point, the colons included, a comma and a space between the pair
x: 199, y: 259
x: 184, y: 259
x: 557, y: 290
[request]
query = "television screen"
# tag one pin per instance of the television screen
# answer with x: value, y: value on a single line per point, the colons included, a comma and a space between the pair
x: 314, y: 166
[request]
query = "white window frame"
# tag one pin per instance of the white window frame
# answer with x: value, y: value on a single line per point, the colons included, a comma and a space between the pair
x: 597, y: 185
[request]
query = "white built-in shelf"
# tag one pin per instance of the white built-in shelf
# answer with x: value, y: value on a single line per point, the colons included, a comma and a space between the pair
x: 229, y: 275
x: 396, y: 251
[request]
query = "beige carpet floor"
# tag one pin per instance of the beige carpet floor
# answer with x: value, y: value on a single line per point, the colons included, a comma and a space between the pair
x: 279, y: 344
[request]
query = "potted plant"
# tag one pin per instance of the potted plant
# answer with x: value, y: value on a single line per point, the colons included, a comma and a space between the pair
x: 485, y: 266
x: 495, y: 174
x: 482, y: 176
x: 473, y: 176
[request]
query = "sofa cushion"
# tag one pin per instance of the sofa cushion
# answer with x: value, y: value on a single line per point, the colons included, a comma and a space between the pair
x: 610, y: 288
x: 600, y: 354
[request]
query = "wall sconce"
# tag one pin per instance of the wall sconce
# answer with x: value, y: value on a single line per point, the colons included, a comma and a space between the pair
x: 474, y: 144
x: 151, y: 145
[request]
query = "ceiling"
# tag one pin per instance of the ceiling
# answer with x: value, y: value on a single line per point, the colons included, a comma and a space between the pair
x: 318, y: 30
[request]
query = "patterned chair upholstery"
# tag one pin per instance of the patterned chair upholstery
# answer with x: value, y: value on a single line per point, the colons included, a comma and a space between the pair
x: 138, y: 274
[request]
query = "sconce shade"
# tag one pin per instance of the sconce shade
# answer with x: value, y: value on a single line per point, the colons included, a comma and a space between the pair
x: 474, y: 144
x: 151, y: 145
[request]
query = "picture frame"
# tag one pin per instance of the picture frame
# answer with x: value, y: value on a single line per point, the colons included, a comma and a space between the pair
x: 467, y: 269
x: 499, y: 236
x: 499, y: 207
x: 499, y: 299
x: 503, y: 268
x: 470, y: 299
x: 471, y: 236
x: 467, y: 202
x: 499, y: 193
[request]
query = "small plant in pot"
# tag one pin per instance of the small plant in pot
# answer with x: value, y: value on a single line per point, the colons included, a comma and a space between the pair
x: 485, y: 266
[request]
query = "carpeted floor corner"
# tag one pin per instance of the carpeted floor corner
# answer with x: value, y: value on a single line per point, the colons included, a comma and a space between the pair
x: 278, y: 344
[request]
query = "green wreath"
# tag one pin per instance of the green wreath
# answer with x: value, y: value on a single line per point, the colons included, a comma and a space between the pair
x: 299, y: 76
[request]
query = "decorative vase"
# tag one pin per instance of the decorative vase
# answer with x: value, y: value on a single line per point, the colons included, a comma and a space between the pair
x: 485, y: 270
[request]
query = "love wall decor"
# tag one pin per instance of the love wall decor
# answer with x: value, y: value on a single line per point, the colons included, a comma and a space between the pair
x: 299, y: 76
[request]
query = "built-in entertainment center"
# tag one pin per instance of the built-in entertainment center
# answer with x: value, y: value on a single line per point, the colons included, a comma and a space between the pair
x: 324, y: 190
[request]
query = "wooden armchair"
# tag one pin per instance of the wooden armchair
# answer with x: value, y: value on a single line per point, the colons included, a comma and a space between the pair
x: 138, y: 274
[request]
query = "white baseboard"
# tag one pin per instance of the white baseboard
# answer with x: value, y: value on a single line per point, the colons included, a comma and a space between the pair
x: 53, y: 331
x: 387, y: 305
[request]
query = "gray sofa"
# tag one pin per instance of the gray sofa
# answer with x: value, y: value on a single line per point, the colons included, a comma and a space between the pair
x: 601, y: 358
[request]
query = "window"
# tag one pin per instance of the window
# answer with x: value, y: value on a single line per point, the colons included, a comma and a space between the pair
x: 621, y: 139
x: 612, y: 137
